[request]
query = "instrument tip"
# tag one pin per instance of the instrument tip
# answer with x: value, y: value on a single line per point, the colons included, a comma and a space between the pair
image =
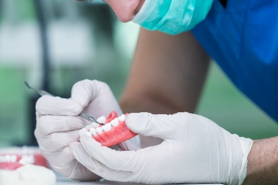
x: 27, y: 84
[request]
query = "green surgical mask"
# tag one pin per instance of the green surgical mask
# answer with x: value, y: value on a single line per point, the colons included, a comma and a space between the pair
x: 172, y: 16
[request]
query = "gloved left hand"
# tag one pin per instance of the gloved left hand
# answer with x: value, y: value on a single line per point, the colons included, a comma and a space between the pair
x: 194, y: 150
x: 58, y: 124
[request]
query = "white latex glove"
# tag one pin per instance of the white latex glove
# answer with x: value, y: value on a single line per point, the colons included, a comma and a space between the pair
x: 194, y: 150
x: 58, y: 124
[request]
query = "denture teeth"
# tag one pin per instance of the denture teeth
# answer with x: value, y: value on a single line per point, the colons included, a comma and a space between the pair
x: 107, y: 127
x: 93, y: 131
x: 27, y: 159
x: 2, y: 159
x: 8, y: 159
x: 99, y: 130
x: 115, y: 122
x: 101, y: 119
x: 122, y: 118
x: 83, y: 131
x: 88, y: 127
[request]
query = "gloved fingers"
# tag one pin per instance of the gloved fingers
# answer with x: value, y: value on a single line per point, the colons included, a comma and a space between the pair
x: 50, y: 124
x: 96, y: 97
x: 91, y: 125
x: 131, y: 144
x: 115, y: 160
x: 80, y: 172
x: 97, y: 167
x: 128, y: 145
x: 58, y: 160
x: 64, y: 162
x: 161, y: 125
x: 139, y: 163
x: 48, y: 105
x: 56, y: 141
x: 84, y: 92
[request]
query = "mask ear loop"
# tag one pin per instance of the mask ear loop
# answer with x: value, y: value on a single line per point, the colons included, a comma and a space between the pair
x: 91, y: 1
x: 144, y: 12
x: 87, y: 1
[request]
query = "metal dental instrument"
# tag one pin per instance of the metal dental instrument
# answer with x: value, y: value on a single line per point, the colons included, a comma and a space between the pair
x: 82, y: 115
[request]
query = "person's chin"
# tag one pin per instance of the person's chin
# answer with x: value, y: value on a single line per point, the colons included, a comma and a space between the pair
x: 126, y: 10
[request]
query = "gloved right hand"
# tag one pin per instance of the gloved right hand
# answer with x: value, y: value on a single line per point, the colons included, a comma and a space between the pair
x: 58, y: 124
x: 194, y: 150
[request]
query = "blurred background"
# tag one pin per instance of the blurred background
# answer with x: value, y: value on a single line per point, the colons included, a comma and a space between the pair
x: 54, y: 43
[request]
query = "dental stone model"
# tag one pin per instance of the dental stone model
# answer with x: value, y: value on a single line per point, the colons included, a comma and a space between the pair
x: 114, y: 130
x: 28, y: 175
x: 24, y: 165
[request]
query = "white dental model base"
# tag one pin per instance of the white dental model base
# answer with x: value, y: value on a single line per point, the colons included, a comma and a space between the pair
x: 28, y: 175
x: 24, y: 165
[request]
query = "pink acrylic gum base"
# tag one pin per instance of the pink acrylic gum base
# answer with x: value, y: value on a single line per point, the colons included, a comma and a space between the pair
x: 39, y: 161
x: 116, y: 135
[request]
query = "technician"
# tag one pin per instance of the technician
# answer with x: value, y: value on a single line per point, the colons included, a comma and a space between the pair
x: 167, y: 76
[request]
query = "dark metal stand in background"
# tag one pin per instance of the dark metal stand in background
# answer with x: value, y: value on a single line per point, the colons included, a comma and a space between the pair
x: 44, y: 44
x: 45, y: 67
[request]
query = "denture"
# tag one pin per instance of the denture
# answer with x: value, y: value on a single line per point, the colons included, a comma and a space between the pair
x: 114, y: 130
x: 14, y: 158
x: 24, y: 165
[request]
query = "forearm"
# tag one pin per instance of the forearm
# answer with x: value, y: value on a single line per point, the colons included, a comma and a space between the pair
x: 167, y: 75
x: 146, y: 104
x: 262, y: 166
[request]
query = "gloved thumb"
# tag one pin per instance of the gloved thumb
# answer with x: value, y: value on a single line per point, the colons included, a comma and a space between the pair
x: 84, y: 91
x: 97, y: 94
x: 146, y: 124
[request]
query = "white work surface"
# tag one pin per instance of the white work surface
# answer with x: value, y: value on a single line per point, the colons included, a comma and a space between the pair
x: 112, y: 183
x: 65, y: 181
